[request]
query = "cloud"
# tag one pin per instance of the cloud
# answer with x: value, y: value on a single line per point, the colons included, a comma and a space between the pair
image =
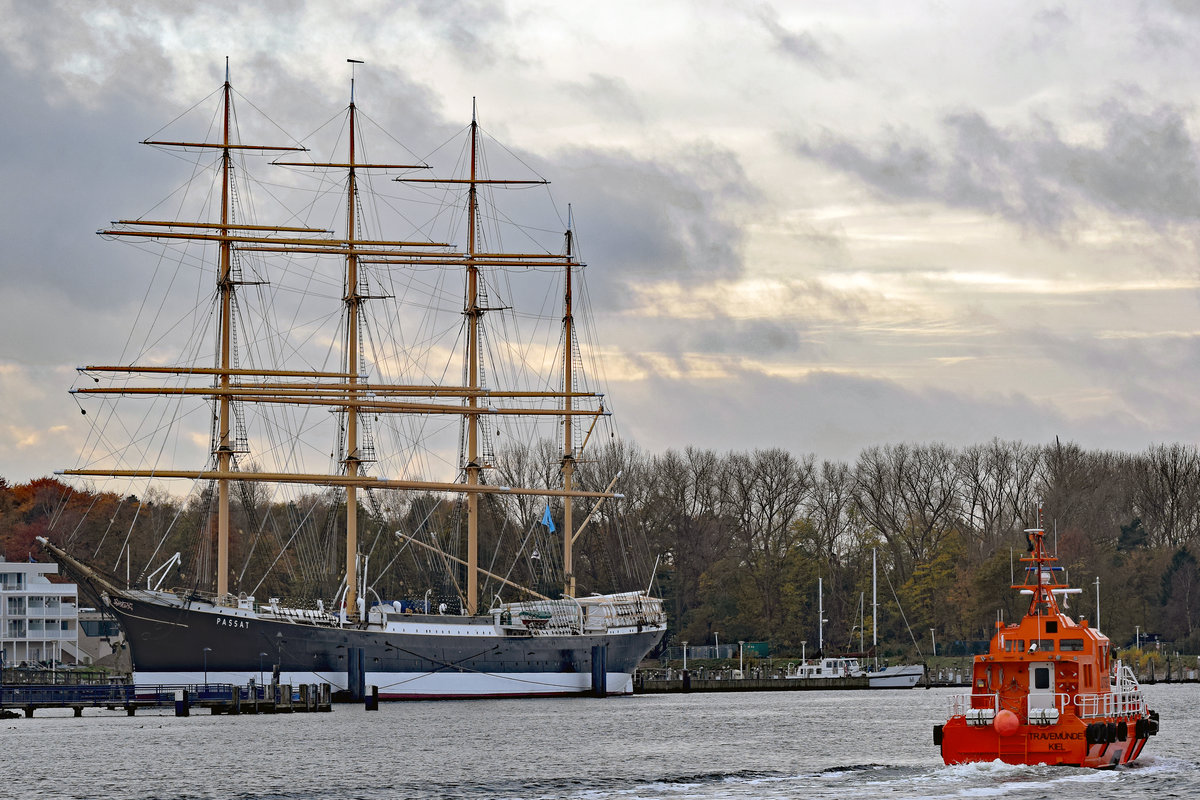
x: 609, y: 95
x: 800, y: 46
x: 1142, y: 164
x: 41, y: 429
x: 476, y: 30
x: 836, y: 416
x: 657, y: 217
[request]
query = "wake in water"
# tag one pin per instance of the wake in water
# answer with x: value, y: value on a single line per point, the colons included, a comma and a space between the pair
x: 863, y: 781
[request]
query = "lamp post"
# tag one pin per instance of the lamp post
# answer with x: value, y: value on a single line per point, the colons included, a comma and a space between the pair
x: 803, y: 653
x: 1137, y: 636
x: 261, y: 656
x: 207, y: 650
x: 933, y: 639
x: 717, y: 639
x: 685, y: 656
x: 741, y: 666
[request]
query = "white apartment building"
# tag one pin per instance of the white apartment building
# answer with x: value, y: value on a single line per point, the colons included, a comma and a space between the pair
x: 38, y: 619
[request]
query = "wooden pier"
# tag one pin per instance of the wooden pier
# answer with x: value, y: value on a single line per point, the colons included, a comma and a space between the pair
x: 686, y: 683
x: 216, y: 698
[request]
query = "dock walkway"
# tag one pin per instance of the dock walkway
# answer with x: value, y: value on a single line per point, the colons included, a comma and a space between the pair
x: 218, y: 698
x: 686, y: 683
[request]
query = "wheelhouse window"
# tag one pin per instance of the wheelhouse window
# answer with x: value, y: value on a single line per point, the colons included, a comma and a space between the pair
x: 1041, y: 678
x: 1070, y: 645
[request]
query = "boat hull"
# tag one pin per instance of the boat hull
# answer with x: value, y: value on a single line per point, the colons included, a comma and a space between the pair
x: 425, y: 656
x: 1109, y: 742
x: 898, y: 677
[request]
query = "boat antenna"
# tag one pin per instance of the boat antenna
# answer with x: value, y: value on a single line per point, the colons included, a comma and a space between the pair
x: 227, y: 69
x: 352, y: 62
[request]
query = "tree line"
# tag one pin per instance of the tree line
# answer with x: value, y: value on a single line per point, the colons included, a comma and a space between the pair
x: 734, y: 542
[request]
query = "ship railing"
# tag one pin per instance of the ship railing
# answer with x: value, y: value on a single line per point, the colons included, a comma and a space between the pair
x: 308, y: 615
x: 566, y: 616
x: 1111, y: 704
x: 622, y: 610
x: 963, y: 704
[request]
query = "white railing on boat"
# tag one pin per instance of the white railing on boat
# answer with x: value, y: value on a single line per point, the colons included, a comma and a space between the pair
x: 960, y: 704
x: 594, y: 614
x: 982, y: 708
x: 1114, y: 704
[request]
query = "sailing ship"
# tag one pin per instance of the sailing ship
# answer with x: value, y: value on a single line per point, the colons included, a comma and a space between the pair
x: 1048, y: 691
x: 491, y: 636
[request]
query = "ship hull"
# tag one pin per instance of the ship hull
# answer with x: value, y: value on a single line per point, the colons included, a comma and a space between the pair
x: 424, y: 656
x: 899, y: 677
x: 1108, y: 743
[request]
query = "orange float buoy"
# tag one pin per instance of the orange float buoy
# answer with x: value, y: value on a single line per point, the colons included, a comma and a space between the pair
x: 1006, y: 723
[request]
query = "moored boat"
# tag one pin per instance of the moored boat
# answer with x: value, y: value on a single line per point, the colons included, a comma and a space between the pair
x: 901, y: 676
x: 840, y: 667
x: 1048, y: 690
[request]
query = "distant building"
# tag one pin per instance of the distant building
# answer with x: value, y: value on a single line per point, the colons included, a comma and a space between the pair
x: 102, y: 641
x: 38, y: 619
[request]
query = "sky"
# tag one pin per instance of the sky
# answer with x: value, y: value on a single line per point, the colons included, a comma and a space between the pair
x: 820, y: 226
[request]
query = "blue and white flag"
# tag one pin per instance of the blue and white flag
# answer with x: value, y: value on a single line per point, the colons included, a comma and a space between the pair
x: 546, y: 520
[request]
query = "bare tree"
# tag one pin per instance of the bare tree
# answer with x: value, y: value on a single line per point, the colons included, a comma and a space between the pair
x: 908, y: 493
x: 996, y: 483
x: 765, y: 493
x: 1166, y: 493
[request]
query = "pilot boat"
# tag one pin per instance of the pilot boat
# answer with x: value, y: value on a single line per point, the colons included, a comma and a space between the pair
x: 1048, y: 690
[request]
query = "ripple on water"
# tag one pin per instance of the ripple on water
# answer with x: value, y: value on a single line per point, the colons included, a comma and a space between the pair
x: 767, y: 746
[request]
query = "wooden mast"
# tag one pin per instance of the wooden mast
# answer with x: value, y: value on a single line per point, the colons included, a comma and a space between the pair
x: 352, y: 459
x: 472, y: 312
x: 224, y: 450
x: 568, y: 457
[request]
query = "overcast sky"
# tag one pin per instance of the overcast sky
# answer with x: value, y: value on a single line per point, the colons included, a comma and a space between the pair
x: 815, y: 225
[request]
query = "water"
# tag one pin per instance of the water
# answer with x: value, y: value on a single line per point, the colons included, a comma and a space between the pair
x: 809, y: 745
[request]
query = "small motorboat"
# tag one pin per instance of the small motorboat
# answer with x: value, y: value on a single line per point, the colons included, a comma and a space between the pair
x: 1048, y: 690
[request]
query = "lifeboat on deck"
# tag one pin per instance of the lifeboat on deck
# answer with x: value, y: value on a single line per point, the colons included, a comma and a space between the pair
x: 1047, y: 692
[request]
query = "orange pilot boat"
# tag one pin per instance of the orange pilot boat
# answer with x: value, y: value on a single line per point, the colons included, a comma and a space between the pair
x: 1048, y: 692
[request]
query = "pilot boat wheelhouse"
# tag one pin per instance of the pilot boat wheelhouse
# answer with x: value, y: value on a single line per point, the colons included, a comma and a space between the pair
x: 1048, y: 691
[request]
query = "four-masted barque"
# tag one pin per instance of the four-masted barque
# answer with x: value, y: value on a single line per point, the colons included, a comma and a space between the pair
x: 533, y: 643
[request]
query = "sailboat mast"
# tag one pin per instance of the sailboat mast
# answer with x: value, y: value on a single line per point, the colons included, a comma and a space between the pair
x: 473, y: 313
x: 874, y: 611
x: 821, y: 617
x: 224, y: 451
x: 568, y: 458
x: 352, y: 369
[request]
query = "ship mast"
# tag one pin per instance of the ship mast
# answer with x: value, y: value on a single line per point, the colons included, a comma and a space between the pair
x: 224, y: 450
x: 568, y: 457
x: 352, y: 459
x: 473, y: 312
x: 1046, y: 585
x: 351, y: 394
